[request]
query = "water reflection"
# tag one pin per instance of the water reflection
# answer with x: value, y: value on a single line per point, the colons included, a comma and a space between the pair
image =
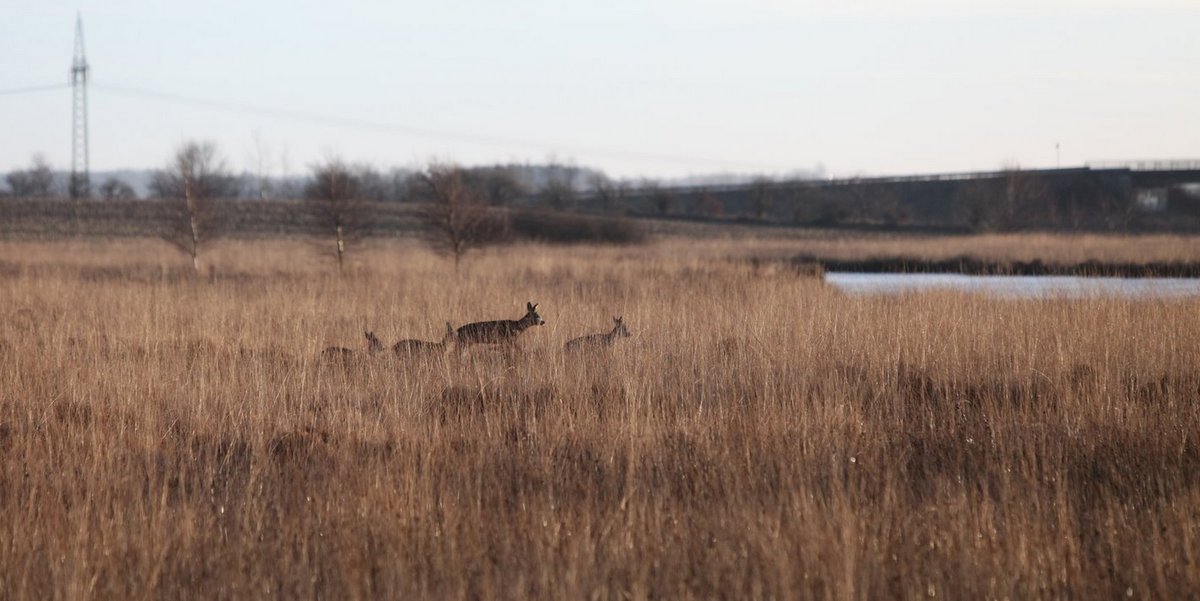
x: 1015, y: 286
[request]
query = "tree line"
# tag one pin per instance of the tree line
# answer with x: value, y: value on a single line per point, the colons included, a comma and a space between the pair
x: 460, y: 206
x: 558, y: 182
x: 1012, y: 199
x: 461, y: 209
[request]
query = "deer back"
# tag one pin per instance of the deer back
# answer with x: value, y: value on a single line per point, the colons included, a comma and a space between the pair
x: 488, y: 331
x: 590, y: 340
x: 411, y: 346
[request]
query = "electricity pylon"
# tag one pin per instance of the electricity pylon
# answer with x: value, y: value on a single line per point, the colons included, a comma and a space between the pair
x: 80, y: 187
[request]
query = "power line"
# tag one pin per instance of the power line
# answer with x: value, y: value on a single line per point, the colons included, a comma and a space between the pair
x: 363, y: 124
x: 33, y: 89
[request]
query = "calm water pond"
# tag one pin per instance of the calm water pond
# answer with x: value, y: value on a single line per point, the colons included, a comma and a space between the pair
x: 1021, y: 286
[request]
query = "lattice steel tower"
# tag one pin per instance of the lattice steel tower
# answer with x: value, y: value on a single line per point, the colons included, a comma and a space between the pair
x: 79, y: 186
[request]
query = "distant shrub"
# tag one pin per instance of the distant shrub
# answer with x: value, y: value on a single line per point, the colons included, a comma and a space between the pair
x: 572, y: 228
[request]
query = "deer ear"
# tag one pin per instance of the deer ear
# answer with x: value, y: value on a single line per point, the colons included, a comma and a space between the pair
x: 617, y: 320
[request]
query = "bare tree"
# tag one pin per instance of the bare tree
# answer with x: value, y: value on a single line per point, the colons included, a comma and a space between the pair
x: 195, y: 177
x: 397, y: 181
x: 288, y: 186
x: 35, y: 182
x: 558, y: 193
x: 372, y: 185
x: 610, y: 193
x: 116, y: 189
x: 334, y: 197
x: 456, y: 217
x: 498, y: 184
x: 1011, y: 201
x: 196, y: 165
x: 258, y: 158
x: 663, y: 199
x: 1024, y: 198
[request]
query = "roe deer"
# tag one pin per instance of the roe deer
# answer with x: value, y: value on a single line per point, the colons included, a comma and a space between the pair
x: 415, y: 347
x: 603, y: 339
x: 373, y: 343
x: 342, y: 353
x: 503, y: 331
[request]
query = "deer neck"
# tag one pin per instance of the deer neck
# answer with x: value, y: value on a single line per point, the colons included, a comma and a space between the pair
x: 610, y: 337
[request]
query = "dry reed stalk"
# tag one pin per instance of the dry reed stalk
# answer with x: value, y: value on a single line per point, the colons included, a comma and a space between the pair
x: 758, y: 436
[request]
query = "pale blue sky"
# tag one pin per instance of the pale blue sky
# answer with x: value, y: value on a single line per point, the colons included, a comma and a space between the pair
x: 662, y: 89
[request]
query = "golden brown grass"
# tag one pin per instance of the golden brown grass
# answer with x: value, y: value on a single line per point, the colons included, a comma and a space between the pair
x: 758, y: 437
x: 1049, y: 248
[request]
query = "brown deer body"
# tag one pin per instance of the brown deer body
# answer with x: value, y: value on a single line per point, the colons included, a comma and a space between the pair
x: 601, y: 340
x: 341, y: 353
x: 422, y: 347
x: 503, y: 331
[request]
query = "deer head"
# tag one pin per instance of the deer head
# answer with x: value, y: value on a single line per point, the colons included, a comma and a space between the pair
x: 373, y: 343
x: 619, y: 328
x: 532, y: 316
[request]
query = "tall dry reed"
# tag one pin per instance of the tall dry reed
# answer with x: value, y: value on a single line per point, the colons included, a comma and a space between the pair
x: 760, y: 436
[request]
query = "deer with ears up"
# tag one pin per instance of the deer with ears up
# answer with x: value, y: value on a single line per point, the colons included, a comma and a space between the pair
x: 504, y: 331
x: 601, y: 340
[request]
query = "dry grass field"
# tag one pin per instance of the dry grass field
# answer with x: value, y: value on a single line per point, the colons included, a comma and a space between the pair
x: 759, y: 436
x: 1024, y: 246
